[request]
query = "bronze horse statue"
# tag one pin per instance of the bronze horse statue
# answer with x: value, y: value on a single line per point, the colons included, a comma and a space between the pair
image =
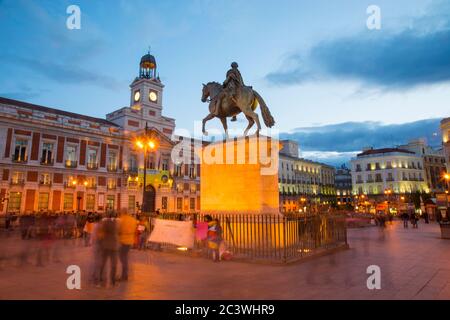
x: 246, y: 101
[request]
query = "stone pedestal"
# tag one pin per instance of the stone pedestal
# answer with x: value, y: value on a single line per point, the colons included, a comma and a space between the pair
x: 240, y: 176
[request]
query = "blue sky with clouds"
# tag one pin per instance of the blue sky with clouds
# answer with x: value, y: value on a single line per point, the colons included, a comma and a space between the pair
x: 314, y: 62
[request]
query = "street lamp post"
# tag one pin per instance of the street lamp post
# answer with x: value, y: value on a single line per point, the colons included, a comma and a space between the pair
x: 146, y: 143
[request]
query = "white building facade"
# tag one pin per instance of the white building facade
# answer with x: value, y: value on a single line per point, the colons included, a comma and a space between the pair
x: 376, y: 170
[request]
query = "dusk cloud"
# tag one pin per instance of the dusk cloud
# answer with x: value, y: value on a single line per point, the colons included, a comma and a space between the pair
x: 65, y: 73
x: 419, y: 55
x: 341, y: 141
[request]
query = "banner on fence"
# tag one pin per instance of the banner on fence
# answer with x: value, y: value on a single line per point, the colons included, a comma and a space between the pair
x: 180, y: 233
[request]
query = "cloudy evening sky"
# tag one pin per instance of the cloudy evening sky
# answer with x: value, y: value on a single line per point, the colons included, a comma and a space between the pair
x: 329, y: 81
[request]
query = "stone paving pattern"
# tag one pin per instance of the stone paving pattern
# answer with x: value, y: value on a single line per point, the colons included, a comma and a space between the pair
x: 415, y: 264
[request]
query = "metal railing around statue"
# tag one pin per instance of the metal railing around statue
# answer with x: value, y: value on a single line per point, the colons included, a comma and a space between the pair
x: 270, y: 238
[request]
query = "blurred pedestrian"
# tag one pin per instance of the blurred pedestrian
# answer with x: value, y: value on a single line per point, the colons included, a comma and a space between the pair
x: 87, y: 231
x: 142, y: 233
x: 127, y: 229
x: 96, y: 249
x: 109, y: 247
x: 405, y: 219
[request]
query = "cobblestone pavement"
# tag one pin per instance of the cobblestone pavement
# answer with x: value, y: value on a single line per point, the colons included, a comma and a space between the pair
x: 415, y: 264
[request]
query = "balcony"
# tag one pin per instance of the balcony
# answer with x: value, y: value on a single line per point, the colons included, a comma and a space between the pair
x: 133, y: 185
x: 91, y: 186
x: 47, y: 162
x: 370, y: 181
x: 17, y: 182
x: 92, y: 166
x: 111, y: 187
x: 18, y: 159
x: 131, y: 170
x: 45, y: 183
x: 111, y: 167
x: 70, y: 185
x: 378, y: 180
x: 359, y: 181
x: 71, y: 164
x: 390, y: 179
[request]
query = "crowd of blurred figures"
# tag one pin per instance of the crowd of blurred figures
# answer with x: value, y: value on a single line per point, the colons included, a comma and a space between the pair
x: 110, y: 236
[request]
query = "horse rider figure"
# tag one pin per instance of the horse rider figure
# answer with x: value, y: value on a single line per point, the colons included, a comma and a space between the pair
x: 231, y: 85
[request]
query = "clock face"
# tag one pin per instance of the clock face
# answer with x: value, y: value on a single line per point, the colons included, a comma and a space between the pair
x: 153, y: 96
x: 137, y: 96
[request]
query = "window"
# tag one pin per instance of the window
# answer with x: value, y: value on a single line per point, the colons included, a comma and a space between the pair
x: 47, y: 153
x: 192, y: 204
x: 71, y: 153
x: 43, y: 201
x: 68, y: 201
x: 71, y: 181
x: 192, y: 171
x: 110, y: 202
x: 15, y: 198
x: 45, y: 179
x: 151, y: 162
x: 131, y: 204
x: 164, y: 203
x: 20, y: 150
x: 112, y: 161
x: 92, y: 158
x: 178, y: 170
x: 165, y: 164
x: 180, y: 204
x: 111, y: 183
x: 133, y: 162
x: 179, y: 187
x: 90, y: 202
x: 17, y: 177
x: 91, y: 182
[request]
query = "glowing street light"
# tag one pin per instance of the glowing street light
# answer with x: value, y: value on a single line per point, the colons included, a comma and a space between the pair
x: 145, y: 143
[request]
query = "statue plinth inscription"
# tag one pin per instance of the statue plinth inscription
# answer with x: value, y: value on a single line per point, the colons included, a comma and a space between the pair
x: 240, y: 176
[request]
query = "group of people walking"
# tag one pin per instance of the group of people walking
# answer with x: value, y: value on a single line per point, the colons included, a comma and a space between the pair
x: 111, y: 239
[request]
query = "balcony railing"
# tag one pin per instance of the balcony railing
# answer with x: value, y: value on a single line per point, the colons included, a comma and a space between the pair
x: 16, y: 158
x: 47, y: 162
x: 91, y: 186
x: 111, y: 187
x: 92, y: 166
x: 133, y: 185
x: 370, y: 181
x: 69, y: 184
x: 17, y: 182
x: 45, y: 183
x: 71, y: 164
x: 131, y: 170
x: 111, y: 167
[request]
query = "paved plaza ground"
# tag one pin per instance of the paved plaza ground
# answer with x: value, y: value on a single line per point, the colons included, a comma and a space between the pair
x: 415, y: 264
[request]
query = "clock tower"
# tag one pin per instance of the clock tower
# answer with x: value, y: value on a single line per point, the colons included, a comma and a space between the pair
x: 147, y: 89
x: 146, y: 98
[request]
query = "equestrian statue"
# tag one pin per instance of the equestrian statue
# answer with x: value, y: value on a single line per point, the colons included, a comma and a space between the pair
x: 233, y: 97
